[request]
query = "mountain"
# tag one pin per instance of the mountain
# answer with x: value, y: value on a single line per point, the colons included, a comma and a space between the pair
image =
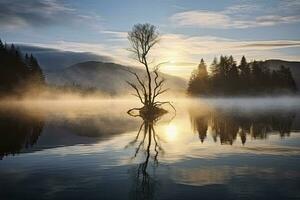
x: 108, y: 77
x: 294, y: 67
x: 54, y: 59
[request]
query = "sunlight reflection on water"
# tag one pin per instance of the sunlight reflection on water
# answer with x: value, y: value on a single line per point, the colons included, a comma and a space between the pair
x: 210, y: 142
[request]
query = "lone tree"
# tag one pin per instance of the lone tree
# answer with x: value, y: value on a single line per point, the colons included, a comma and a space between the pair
x: 142, y: 38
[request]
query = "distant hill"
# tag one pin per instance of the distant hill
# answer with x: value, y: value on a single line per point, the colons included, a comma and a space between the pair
x: 66, y: 67
x: 294, y: 67
x: 54, y: 59
x: 107, y: 77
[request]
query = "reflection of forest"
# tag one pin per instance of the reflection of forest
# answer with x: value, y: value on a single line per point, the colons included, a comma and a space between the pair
x: 23, y: 128
x: 18, y: 131
x: 228, y: 126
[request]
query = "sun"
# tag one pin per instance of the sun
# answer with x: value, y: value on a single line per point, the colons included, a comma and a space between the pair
x: 171, y: 132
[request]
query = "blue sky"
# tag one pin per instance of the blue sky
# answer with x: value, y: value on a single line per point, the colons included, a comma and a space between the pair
x: 190, y: 29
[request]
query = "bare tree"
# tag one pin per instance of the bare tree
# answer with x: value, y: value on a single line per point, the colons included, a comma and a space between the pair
x: 142, y: 38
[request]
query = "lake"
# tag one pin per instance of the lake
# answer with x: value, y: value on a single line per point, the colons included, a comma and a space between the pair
x: 92, y: 149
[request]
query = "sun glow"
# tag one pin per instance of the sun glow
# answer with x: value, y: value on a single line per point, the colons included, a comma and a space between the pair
x: 182, y: 70
x: 171, y: 132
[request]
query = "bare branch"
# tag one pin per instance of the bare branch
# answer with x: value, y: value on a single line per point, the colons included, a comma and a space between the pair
x: 158, y: 89
x: 134, y: 115
x: 142, y: 84
x: 159, y: 103
x: 142, y: 38
x: 137, y: 91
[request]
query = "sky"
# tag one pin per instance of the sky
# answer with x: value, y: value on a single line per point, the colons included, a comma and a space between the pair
x: 189, y: 29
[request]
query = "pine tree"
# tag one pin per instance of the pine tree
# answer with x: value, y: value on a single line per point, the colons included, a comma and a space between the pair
x: 198, y: 83
x: 244, y: 69
x: 286, y: 80
x: 244, y: 75
x: 226, y: 78
x: 37, y: 74
x: 215, y: 68
x: 233, y: 76
x: 1, y: 45
x: 16, y: 70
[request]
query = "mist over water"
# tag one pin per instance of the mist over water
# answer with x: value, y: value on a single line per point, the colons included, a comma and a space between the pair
x: 277, y: 102
x: 85, y: 144
x: 118, y: 109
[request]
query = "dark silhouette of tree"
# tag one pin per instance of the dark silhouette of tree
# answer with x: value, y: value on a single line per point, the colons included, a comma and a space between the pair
x: 37, y: 75
x: 199, y: 79
x: 245, y: 73
x: 226, y: 78
x: 214, y: 80
x: 260, y: 77
x: 142, y: 38
x: 285, y: 79
x: 232, y: 76
x: 244, y: 68
x: 18, y: 71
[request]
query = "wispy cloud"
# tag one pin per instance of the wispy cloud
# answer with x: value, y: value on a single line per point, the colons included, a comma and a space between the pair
x: 238, y: 16
x: 39, y: 13
x: 241, y: 8
x: 184, y: 52
x: 265, y: 45
x: 288, y: 6
x: 115, y: 35
x: 201, y: 18
x: 200, y: 45
x: 182, y: 48
x: 117, y: 53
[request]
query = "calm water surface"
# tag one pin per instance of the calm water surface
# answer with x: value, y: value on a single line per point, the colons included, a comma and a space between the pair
x: 95, y: 150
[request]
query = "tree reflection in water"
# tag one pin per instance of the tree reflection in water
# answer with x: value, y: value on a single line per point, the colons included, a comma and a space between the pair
x: 146, y: 142
x: 227, y: 126
x: 18, y: 131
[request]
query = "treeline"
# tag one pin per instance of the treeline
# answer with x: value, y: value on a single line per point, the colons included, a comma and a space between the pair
x: 228, y: 78
x: 18, y: 71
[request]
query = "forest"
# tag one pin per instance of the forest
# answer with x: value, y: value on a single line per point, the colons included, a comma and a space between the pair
x: 18, y: 72
x: 225, y: 77
x: 21, y: 74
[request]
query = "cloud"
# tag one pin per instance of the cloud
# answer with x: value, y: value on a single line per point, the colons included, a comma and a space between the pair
x: 276, y: 44
x: 241, y: 8
x: 96, y: 48
x: 181, y: 48
x: 119, y: 34
x: 201, y: 18
x: 116, y: 53
x: 289, y: 6
x: 270, y: 20
x: 52, y: 59
x: 184, y: 52
x: 210, y: 19
x: 115, y: 35
x: 206, y: 44
x: 38, y: 13
x: 239, y: 16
